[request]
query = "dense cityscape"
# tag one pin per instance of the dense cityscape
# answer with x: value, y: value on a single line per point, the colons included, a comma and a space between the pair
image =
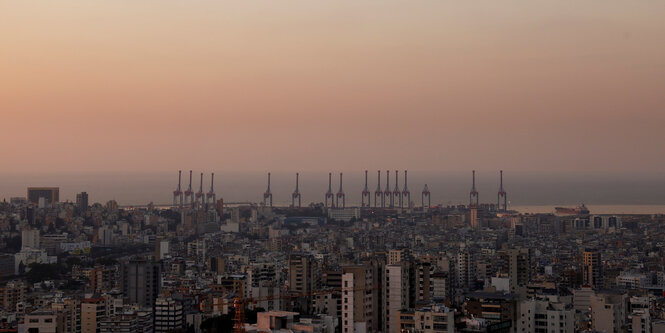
x: 390, y: 263
x: 364, y: 166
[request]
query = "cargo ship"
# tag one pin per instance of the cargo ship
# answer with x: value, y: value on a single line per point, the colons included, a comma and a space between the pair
x: 579, y: 210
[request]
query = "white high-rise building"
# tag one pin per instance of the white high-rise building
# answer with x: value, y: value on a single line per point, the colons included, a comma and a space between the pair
x: 29, y: 239
x: 395, y: 295
x: 541, y: 315
x: 359, y: 299
x: 348, y: 309
x: 608, y: 312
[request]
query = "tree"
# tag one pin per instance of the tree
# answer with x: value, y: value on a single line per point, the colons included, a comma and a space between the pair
x: 71, y: 261
x: 42, y: 272
x: 223, y: 323
x: 251, y: 315
x: 71, y: 285
x: 106, y: 261
x: 14, y: 244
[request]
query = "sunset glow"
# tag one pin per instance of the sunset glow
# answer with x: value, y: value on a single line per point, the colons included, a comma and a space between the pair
x: 145, y: 85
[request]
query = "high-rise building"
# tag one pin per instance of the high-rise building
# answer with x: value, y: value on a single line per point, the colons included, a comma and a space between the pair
x: 141, y: 282
x: 161, y: 248
x: 538, y: 315
x: 43, y: 321
x: 592, y: 270
x: 264, y: 282
x: 303, y: 273
x: 93, y: 311
x: 69, y: 315
x: 422, y: 288
x: 435, y: 319
x: 102, y: 278
x: 304, y: 277
x: 493, y: 308
x: 12, y: 294
x: 130, y: 322
x: 465, y: 270
x: 639, y: 314
x: 608, y: 312
x: 51, y: 195
x: 517, y: 264
x: 168, y: 315
x: 216, y: 264
x: 397, y: 256
x: 29, y: 239
x: 82, y: 201
x: 359, y: 299
x: 440, y: 283
x: 395, y: 295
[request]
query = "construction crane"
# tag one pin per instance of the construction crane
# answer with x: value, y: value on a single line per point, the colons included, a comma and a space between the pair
x: 240, y: 303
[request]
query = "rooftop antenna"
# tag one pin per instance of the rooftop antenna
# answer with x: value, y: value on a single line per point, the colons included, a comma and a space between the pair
x: 330, y: 195
x: 378, y: 193
x: 502, y: 194
x: 406, y: 195
x: 366, y: 193
x: 340, y: 193
x: 267, y: 195
x: 295, y: 194
x: 473, y: 195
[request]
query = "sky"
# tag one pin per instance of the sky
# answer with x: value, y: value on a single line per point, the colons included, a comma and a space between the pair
x: 140, y: 86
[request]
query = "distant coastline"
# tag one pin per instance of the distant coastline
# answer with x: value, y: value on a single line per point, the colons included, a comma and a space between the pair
x: 527, y: 192
x: 597, y: 209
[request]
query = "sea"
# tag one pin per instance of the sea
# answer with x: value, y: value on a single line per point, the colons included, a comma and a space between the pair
x: 529, y: 192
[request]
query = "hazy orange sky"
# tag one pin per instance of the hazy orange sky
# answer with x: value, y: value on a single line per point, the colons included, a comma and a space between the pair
x: 319, y: 85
